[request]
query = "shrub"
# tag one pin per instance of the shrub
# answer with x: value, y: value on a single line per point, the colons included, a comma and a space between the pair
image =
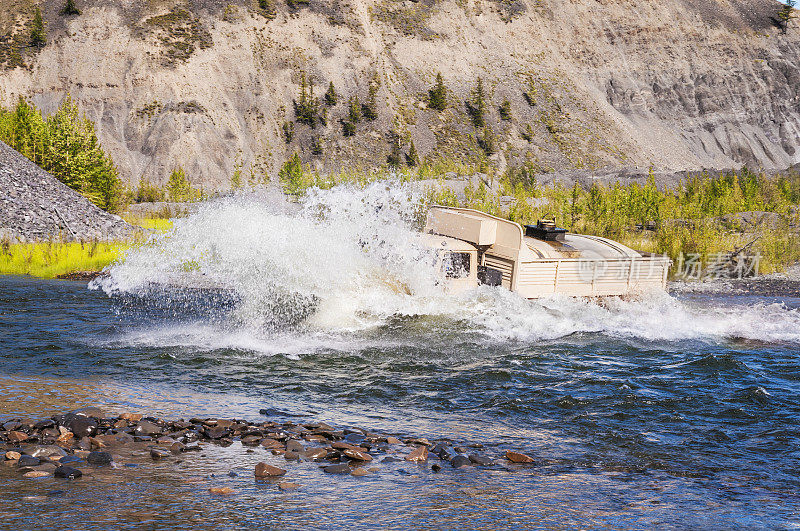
x: 348, y: 128
x: 292, y: 175
x: 317, y: 146
x: 437, y: 95
x: 147, y: 193
x: 527, y: 134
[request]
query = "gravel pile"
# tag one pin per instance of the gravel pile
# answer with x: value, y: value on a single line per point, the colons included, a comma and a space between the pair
x: 36, y: 206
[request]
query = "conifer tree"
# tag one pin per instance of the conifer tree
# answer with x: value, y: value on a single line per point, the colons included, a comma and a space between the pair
x: 505, y: 110
x: 437, y: 95
x: 38, y: 35
x: 354, y: 114
x: 70, y: 9
x: 331, y: 98
x: 477, y: 105
x: 412, y: 159
x: 787, y: 13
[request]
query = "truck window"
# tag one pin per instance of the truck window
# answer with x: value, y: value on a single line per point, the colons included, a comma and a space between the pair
x: 456, y: 265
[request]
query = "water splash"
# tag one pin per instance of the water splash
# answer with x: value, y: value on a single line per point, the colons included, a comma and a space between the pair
x: 319, y: 274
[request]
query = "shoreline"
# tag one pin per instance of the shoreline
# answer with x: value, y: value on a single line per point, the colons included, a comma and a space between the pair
x: 88, y: 441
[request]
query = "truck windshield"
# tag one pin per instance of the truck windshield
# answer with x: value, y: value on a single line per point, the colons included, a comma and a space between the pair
x: 456, y: 265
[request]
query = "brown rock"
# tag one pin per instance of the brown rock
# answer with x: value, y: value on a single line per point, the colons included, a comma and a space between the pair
x: 221, y: 491
x: 291, y: 456
x: 13, y: 455
x: 355, y: 454
x: 293, y: 445
x: 165, y: 441
x: 393, y: 440
x: 65, y: 437
x: 35, y: 474
x: 420, y: 440
x: 133, y: 417
x: 96, y: 443
x: 341, y: 445
x: 16, y: 436
x: 288, y: 485
x: 11, y: 463
x: 264, y: 470
x: 373, y: 469
x: 83, y: 454
x: 516, y: 457
x: 359, y: 472
x: 271, y: 444
x: 315, y: 453
x: 316, y: 438
x: 419, y: 454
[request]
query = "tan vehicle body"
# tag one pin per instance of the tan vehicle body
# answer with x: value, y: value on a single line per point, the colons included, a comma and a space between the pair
x: 576, y: 265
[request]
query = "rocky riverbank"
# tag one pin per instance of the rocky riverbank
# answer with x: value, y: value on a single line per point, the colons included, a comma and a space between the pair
x: 89, y: 441
x: 35, y: 206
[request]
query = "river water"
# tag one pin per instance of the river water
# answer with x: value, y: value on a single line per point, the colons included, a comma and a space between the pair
x: 677, y: 410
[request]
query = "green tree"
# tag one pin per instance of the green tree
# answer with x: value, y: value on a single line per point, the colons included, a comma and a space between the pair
x: 437, y: 95
x: 70, y: 9
x: 412, y: 159
x: 292, y: 174
x: 267, y: 8
x: 331, y: 98
x: 348, y: 128
x: 487, y: 142
x: 178, y: 186
x: 370, y: 109
x: 395, y: 157
x: 288, y: 131
x: 476, y: 107
x: 38, y: 34
x: 505, y: 110
x: 354, y: 112
x: 307, y: 108
x: 786, y: 13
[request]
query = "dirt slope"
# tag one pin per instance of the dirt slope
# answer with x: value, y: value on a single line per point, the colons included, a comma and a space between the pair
x: 602, y: 83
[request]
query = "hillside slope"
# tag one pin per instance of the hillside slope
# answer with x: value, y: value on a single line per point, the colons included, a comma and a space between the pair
x: 592, y: 84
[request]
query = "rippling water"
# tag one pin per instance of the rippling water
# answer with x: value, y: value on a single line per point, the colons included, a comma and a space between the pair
x: 674, y: 410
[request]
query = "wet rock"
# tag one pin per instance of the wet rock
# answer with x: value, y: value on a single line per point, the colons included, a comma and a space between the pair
x: 481, y: 460
x: 359, y: 456
x: 355, y: 438
x: 36, y: 474
x: 159, y: 453
x: 393, y: 440
x: 81, y: 426
x: 133, y: 417
x: 359, y: 472
x: 251, y: 440
x: 147, y: 428
x: 291, y: 456
x: 65, y: 436
x: 217, y: 433
x: 99, y: 458
x: 69, y: 459
x: 341, y: 468
x: 42, y: 424
x: 225, y: 442
x: 419, y: 440
x: 28, y: 460
x: 288, y: 485
x: 443, y: 452
x: 177, y: 447
x: 85, y: 444
x: 12, y: 425
x: 316, y: 438
x: 295, y: 446
x: 390, y: 459
x: 67, y: 472
x: 419, y: 454
x: 460, y: 461
x: 11, y: 455
x: 436, y: 467
x: 263, y: 470
x: 516, y: 457
x: 271, y: 444
x: 16, y: 436
x: 315, y: 454
x: 48, y: 451
x: 221, y: 491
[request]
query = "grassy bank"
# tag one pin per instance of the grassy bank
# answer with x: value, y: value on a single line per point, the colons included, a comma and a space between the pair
x: 54, y: 259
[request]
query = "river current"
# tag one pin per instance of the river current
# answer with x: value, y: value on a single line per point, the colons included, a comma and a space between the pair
x: 678, y: 410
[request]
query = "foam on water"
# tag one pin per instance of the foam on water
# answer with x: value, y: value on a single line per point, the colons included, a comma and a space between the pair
x: 348, y: 260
